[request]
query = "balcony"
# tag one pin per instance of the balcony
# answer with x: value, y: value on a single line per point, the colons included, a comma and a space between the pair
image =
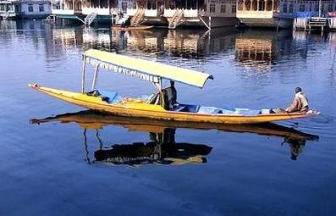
x: 98, y: 11
x: 151, y: 13
x: 190, y: 13
x: 186, y: 13
x: 64, y: 12
x: 255, y: 14
x: 131, y: 11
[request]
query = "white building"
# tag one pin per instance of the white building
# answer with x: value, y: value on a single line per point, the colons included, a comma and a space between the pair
x: 25, y: 9
x: 35, y: 8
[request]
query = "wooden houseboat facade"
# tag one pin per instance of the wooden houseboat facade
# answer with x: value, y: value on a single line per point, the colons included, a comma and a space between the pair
x: 280, y: 13
x: 176, y: 13
x: 167, y: 13
x: 265, y: 13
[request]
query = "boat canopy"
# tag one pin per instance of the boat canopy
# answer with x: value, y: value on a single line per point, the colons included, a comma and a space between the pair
x: 144, y: 69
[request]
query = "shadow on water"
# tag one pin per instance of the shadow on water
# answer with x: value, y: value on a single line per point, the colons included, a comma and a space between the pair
x: 162, y: 149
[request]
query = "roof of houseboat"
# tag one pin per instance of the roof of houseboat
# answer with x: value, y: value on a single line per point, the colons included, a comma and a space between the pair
x: 144, y: 69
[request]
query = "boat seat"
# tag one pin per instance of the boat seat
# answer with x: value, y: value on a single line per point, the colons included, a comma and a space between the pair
x: 178, y: 108
x: 209, y: 110
x: 249, y: 112
x: 186, y: 108
x: 112, y: 96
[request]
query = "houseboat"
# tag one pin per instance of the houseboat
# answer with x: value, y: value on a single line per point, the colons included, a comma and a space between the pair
x: 88, y: 12
x: 174, y: 13
x: 314, y: 15
x: 102, y: 11
x: 69, y: 9
x: 280, y: 13
x: 27, y: 9
x: 32, y: 9
x: 9, y: 9
x: 266, y: 13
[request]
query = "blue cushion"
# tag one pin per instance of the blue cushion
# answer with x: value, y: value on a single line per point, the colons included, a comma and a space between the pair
x: 110, y: 94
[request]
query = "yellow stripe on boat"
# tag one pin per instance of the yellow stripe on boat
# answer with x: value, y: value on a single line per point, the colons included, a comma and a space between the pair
x: 147, y: 69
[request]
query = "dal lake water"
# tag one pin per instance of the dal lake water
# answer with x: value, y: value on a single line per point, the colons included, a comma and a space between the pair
x: 76, y: 163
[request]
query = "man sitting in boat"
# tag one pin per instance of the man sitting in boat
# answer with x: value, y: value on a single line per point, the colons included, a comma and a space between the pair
x: 166, y: 98
x: 171, y: 95
x: 300, y: 102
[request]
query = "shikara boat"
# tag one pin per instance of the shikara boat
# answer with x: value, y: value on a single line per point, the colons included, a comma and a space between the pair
x: 130, y: 28
x: 155, y: 72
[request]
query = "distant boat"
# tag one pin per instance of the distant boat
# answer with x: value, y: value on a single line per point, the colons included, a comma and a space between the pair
x: 156, y: 106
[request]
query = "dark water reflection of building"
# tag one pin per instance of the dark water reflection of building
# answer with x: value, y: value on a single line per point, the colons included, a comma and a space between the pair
x: 191, y: 43
x: 261, y: 49
x: 162, y: 147
x: 258, y: 49
x: 252, y: 48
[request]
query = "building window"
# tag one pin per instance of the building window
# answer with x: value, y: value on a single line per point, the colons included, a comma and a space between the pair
x: 248, y: 5
x: 291, y: 8
x: 191, y: 5
x: 240, y: 5
x: 233, y: 8
x: 302, y: 8
x: 276, y: 6
x: 124, y: 6
x: 223, y: 8
x: 284, y: 8
x: 269, y: 5
x: 316, y: 7
x: 212, y: 8
x: 30, y: 8
x: 2, y: 8
x: 330, y: 7
x: 41, y: 7
x: 151, y: 5
x: 261, y: 5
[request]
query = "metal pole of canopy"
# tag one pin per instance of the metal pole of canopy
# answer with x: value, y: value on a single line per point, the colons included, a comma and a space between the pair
x: 158, y: 87
x: 83, y: 74
x: 160, y: 83
x: 161, y: 93
x: 320, y: 6
x: 95, y: 77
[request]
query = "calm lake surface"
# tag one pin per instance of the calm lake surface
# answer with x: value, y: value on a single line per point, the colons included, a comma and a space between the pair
x: 91, y: 166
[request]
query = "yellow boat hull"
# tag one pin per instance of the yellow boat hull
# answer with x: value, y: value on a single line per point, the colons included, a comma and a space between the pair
x: 137, y: 108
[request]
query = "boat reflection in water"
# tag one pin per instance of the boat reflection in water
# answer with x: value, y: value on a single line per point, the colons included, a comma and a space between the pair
x: 162, y: 149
